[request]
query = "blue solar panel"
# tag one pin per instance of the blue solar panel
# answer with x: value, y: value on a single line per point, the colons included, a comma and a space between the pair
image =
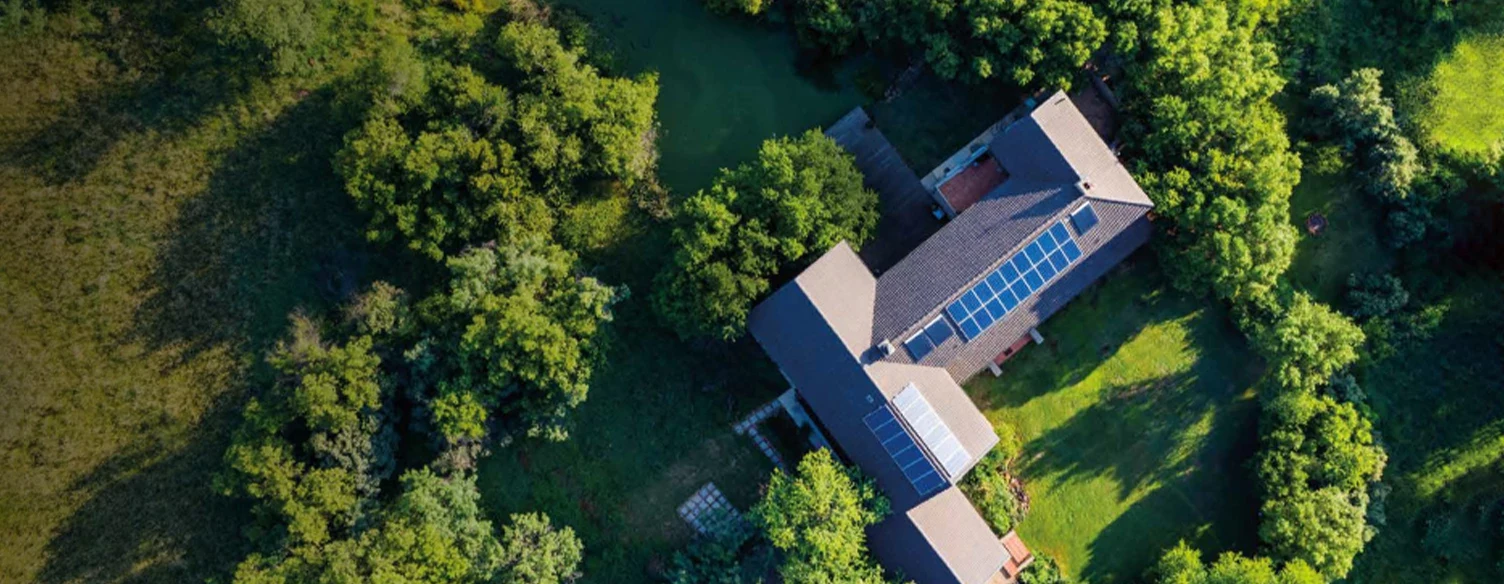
x: 1007, y: 272
x: 991, y: 299
x: 905, y: 451
x: 919, y: 345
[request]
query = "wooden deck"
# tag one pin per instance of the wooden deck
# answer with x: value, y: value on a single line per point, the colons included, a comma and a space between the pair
x: 906, y: 219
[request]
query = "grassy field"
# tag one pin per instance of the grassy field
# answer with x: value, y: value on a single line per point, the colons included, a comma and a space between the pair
x: 1137, y: 417
x: 1442, y: 416
x: 1466, y: 109
x: 1350, y: 242
x: 163, y: 221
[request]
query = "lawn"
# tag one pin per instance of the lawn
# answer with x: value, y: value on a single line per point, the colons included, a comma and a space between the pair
x: 1442, y: 415
x: 1350, y: 242
x: 1466, y: 109
x: 1137, y: 417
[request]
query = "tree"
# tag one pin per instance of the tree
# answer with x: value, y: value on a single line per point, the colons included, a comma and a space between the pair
x: 801, y: 196
x: 1307, y: 343
x: 818, y: 519
x: 1357, y: 112
x: 1212, y: 151
x: 452, y: 159
x: 1183, y: 565
x: 313, y: 491
x: 1323, y: 528
x: 514, y: 335
x: 534, y: 552
x: 283, y: 35
x: 434, y: 533
x: 1375, y: 295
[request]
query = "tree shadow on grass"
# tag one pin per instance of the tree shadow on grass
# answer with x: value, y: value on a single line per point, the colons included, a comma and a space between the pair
x: 173, y: 73
x: 273, y: 232
x: 151, y: 516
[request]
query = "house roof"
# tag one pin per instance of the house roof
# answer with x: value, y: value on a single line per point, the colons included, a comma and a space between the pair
x: 824, y: 330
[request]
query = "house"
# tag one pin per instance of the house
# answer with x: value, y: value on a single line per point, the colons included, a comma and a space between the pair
x: 879, y: 360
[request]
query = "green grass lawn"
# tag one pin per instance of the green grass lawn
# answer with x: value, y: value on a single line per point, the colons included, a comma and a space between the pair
x: 1441, y: 412
x: 1137, y: 418
x: 1350, y: 242
x: 1466, y: 110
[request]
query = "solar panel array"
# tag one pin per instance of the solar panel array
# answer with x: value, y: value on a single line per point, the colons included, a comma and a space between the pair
x: 991, y: 299
x: 924, y: 341
x: 932, y: 431
x: 905, y: 451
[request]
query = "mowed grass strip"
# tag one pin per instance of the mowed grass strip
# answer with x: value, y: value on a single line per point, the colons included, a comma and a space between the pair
x: 1137, y: 419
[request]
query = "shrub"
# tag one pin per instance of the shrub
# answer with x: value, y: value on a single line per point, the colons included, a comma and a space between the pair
x: 1375, y: 295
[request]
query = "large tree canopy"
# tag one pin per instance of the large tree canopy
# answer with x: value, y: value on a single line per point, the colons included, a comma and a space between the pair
x: 456, y: 159
x: 1212, y: 153
x: 1183, y: 565
x: 1027, y: 43
x: 800, y: 197
x: 818, y: 518
x: 434, y: 533
x: 514, y: 336
x: 313, y: 490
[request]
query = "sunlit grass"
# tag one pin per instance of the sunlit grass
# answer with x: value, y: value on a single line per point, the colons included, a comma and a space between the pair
x: 1466, y: 112
x: 1136, y: 417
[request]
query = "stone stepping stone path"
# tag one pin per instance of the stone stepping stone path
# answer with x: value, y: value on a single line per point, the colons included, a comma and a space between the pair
x: 748, y: 427
x: 708, y: 511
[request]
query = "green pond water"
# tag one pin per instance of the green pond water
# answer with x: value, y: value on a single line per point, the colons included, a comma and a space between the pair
x: 726, y: 84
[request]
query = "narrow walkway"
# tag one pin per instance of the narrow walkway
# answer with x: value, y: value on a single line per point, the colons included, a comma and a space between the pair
x: 905, y: 206
x: 748, y: 427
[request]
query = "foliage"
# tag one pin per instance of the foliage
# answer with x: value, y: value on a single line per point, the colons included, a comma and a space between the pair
x: 313, y: 491
x: 1307, y: 342
x: 748, y: 7
x: 454, y: 159
x: 1044, y: 570
x: 988, y: 484
x: 1212, y: 151
x: 514, y: 335
x: 1183, y: 565
x: 1317, y: 460
x: 1357, y: 112
x: 285, y: 35
x: 1375, y: 295
x: 433, y: 533
x: 1323, y: 527
x: 715, y: 558
x: 1025, y: 44
x: 801, y: 196
x: 818, y: 519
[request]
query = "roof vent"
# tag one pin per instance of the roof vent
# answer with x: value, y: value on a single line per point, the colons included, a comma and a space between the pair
x: 885, y: 347
x: 1083, y: 186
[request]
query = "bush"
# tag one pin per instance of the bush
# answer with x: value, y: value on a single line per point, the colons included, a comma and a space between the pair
x: 1375, y: 295
x: 988, y: 484
x: 1044, y: 570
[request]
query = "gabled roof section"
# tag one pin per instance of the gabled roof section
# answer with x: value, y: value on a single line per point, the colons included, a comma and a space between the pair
x: 1055, y: 160
x: 954, y: 543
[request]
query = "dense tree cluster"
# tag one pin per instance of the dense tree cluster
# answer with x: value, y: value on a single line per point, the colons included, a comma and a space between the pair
x: 434, y: 532
x: 455, y: 158
x: 800, y: 197
x: 1025, y: 44
x: 1183, y: 565
x: 1356, y: 114
x: 512, y: 337
x: 1212, y: 153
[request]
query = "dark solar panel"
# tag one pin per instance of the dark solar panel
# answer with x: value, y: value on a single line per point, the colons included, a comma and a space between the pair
x: 905, y: 451
x: 939, y: 331
x: 1084, y: 219
x: 919, y: 345
x: 992, y: 298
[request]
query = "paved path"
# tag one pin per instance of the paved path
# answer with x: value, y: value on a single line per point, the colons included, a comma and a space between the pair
x: 905, y: 205
x: 748, y: 427
x: 708, y: 511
